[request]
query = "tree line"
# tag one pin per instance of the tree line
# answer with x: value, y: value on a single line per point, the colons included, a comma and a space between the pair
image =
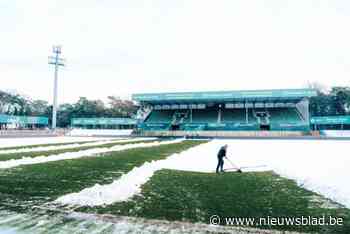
x: 16, y: 104
x: 326, y: 103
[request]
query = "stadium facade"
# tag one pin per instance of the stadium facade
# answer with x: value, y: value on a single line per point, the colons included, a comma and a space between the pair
x: 225, y: 111
x: 103, y: 123
x: 22, y: 122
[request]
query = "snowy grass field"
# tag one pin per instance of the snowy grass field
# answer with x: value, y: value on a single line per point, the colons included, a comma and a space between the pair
x: 192, y: 196
x: 49, y: 150
x: 101, y: 185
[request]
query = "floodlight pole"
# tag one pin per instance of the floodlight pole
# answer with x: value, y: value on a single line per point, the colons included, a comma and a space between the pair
x: 57, y: 61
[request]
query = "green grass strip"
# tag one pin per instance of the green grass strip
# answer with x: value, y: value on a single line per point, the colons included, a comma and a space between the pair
x: 194, y: 197
x: 24, y: 186
x: 45, y: 145
x: 5, y: 157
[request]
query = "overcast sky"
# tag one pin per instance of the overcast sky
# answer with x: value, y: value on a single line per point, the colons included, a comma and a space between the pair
x: 116, y: 47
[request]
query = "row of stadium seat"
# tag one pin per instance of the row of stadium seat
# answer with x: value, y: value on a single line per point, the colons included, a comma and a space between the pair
x: 238, y: 116
x: 160, y: 116
x: 288, y: 115
x: 225, y: 126
x: 202, y: 116
x: 230, y: 119
x: 234, y: 115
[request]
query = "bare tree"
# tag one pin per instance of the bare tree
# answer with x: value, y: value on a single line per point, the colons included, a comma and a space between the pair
x: 319, y: 87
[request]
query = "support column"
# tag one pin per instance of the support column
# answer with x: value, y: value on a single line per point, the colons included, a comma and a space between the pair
x: 246, y: 114
x: 191, y: 115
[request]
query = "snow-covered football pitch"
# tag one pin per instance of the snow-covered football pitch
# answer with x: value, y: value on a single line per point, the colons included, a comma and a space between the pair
x: 76, y: 176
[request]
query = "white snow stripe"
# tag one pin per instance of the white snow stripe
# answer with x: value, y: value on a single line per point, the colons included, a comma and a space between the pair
x: 53, y: 147
x: 69, y: 146
x: 100, y: 132
x: 29, y: 141
x: 79, y: 154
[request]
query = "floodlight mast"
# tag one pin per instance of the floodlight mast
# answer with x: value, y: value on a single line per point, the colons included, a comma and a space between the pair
x: 57, y: 61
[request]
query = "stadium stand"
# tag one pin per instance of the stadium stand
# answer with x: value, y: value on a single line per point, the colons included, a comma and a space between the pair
x: 229, y: 111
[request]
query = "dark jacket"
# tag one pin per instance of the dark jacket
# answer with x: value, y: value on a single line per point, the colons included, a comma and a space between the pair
x: 222, y: 153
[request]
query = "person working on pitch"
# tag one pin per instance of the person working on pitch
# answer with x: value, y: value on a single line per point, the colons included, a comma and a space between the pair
x: 221, y: 155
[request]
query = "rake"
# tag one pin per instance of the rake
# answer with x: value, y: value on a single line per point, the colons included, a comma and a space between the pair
x: 247, y: 167
x: 234, y: 166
